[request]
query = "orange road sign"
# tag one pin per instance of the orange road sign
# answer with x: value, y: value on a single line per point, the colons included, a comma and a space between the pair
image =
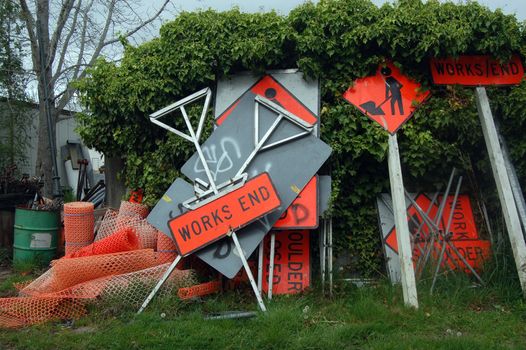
x: 476, y: 71
x: 270, y: 88
x: 462, y: 226
x: 291, y: 262
x: 303, y: 212
x: 197, y: 228
x: 389, y: 97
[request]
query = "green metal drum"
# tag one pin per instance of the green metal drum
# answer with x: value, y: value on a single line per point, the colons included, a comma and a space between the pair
x: 35, y: 240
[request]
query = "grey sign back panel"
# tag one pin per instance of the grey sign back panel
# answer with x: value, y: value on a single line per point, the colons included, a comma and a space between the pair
x: 324, y: 198
x: 305, y: 90
x: 290, y: 167
x: 170, y: 205
x: 386, y: 221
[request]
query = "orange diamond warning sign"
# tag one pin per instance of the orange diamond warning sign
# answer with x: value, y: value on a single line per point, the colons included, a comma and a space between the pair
x: 197, y: 228
x: 388, y: 97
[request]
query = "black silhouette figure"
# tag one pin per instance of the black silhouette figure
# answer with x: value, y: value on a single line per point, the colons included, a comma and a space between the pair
x: 392, y: 92
x: 393, y: 87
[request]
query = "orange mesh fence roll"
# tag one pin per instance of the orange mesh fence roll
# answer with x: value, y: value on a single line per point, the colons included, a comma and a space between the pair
x: 165, y: 248
x: 132, y: 287
x: 128, y: 289
x: 112, y: 223
x: 199, y: 290
x: 107, y: 225
x: 121, y: 241
x: 65, y: 273
x: 79, y: 222
x: 147, y: 235
x: 131, y: 209
x: 19, y: 312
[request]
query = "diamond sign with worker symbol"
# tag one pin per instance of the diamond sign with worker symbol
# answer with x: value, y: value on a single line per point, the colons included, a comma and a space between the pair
x: 389, y: 98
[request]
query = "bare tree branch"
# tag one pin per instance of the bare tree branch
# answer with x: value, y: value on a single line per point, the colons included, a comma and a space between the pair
x: 140, y: 26
x: 62, y: 19
x: 83, y: 38
x: 65, y: 45
x: 31, y: 32
x: 101, y: 43
x: 58, y: 75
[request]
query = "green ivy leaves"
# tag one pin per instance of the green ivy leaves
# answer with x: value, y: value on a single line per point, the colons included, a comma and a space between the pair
x: 336, y: 41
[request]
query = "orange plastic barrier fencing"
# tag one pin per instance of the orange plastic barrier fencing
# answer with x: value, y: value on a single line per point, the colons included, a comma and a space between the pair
x: 199, y: 290
x: 121, y: 241
x: 165, y: 248
x: 79, y: 222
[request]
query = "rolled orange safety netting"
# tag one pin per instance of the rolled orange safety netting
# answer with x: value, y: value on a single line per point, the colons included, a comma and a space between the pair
x: 112, y: 223
x: 147, y: 235
x: 130, y: 209
x: 130, y: 289
x: 25, y: 311
x: 107, y: 225
x: 166, y: 250
x: 123, y: 240
x: 79, y: 221
x: 65, y: 273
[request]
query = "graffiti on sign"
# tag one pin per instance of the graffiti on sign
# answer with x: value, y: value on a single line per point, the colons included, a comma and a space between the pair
x: 298, y: 215
x: 291, y: 262
x: 303, y: 212
x: 476, y: 71
x: 389, y: 97
x: 197, y: 228
x: 233, y: 141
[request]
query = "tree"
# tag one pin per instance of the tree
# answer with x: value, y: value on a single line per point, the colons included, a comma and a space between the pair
x: 65, y: 37
x: 14, y: 119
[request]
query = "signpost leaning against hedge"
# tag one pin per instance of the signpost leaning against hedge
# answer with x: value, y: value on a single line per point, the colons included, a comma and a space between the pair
x: 337, y: 41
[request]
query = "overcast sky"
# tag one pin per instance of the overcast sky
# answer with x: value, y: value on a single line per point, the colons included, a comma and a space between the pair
x: 517, y: 7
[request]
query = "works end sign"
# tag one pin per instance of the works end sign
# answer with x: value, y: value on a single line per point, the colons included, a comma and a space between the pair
x: 200, y: 227
x: 476, y: 71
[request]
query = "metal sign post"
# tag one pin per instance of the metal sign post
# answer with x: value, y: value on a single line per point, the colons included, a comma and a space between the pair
x: 249, y: 273
x: 201, y: 192
x: 402, y: 228
x: 271, y: 263
x: 370, y: 95
x: 291, y: 165
x: 504, y: 190
x: 199, y: 218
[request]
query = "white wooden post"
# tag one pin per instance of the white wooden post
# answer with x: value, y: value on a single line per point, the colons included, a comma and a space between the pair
x: 402, y: 228
x: 270, y: 283
x: 500, y: 174
x: 249, y: 273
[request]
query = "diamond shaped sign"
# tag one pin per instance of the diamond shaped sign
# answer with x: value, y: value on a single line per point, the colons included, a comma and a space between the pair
x: 388, y: 97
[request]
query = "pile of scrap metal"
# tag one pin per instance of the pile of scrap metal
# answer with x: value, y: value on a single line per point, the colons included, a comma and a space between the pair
x: 16, y: 190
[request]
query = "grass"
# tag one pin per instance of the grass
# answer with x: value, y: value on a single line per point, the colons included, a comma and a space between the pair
x: 457, y: 316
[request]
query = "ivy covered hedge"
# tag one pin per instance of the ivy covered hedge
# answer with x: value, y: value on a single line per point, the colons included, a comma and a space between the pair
x: 337, y: 41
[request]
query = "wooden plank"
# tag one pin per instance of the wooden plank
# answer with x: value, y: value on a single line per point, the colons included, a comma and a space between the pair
x: 402, y: 228
x: 500, y: 174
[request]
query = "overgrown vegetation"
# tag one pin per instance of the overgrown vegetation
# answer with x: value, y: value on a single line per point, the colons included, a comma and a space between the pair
x: 458, y: 316
x: 337, y: 41
x: 15, y: 121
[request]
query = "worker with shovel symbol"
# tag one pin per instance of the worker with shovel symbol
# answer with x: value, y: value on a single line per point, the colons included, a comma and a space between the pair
x: 392, y: 92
